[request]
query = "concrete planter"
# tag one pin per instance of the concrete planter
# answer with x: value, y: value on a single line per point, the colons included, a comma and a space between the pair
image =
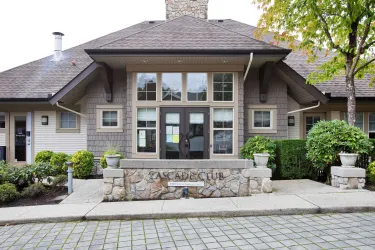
x: 112, y: 161
x: 261, y: 160
x: 348, y: 160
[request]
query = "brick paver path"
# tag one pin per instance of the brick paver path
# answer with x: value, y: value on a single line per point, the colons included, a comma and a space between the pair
x: 333, y: 231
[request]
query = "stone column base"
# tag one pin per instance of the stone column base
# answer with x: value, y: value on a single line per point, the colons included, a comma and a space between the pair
x: 260, y: 180
x: 348, y: 178
x: 114, y: 188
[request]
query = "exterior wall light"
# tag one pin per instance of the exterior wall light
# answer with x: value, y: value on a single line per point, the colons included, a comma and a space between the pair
x: 291, y: 121
x: 44, y: 120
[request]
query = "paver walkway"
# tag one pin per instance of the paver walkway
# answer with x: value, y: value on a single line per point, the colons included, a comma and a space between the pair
x: 331, y: 231
x: 85, y: 191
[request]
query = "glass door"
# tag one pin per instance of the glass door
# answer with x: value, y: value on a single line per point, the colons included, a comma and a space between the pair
x: 171, y: 133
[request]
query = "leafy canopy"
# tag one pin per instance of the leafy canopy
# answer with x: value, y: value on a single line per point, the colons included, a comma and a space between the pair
x: 344, y: 27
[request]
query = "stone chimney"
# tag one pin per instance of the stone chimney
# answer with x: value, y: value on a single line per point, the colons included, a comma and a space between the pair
x: 195, y: 8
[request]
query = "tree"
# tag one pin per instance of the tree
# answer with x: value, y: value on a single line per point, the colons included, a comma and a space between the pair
x: 342, y: 30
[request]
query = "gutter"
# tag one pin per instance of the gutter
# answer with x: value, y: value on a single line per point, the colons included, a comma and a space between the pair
x: 70, y: 110
x: 248, y: 66
x: 299, y: 110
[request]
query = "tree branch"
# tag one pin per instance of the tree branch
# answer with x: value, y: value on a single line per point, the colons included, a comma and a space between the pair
x: 364, y: 65
x: 360, y: 46
x: 365, y: 47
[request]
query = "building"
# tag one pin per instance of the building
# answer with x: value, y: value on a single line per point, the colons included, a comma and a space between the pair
x: 185, y: 87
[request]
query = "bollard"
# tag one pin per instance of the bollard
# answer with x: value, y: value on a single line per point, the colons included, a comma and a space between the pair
x: 70, y: 177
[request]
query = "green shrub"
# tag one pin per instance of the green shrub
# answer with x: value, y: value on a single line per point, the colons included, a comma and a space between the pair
x: 58, y: 161
x: 103, y: 162
x: 329, y: 138
x: 19, y: 176
x: 42, y: 171
x: 83, y: 162
x: 8, y: 192
x: 260, y: 144
x: 291, y: 161
x: 34, y: 190
x: 371, y: 172
x: 59, y: 180
x: 44, y: 156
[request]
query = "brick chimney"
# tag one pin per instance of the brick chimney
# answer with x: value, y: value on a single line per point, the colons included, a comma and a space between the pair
x: 195, y: 8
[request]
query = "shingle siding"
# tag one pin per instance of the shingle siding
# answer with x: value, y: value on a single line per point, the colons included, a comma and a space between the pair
x: 241, y: 86
x: 97, y: 142
x: 277, y: 95
x: 128, y: 117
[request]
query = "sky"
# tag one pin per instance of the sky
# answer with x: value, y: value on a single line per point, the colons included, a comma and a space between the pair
x: 26, y: 26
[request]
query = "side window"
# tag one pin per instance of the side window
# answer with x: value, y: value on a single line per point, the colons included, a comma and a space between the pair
x: 223, y: 86
x: 197, y: 86
x: 146, y: 86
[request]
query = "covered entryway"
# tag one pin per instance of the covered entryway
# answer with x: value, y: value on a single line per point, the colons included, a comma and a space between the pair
x: 184, y: 133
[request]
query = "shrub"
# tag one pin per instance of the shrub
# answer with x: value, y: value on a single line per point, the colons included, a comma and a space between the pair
x: 43, y: 156
x: 83, y: 162
x: 42, y: 171
x: 19, y: 176
x: 371, y: 172
x: 329, y: 138
x: 103, y: 162
x: 8, y: 192
x: 58, y: 161
x: 291, y: 161
x: 59, y: 180
x: 34, y: 190
x: 260, y: 144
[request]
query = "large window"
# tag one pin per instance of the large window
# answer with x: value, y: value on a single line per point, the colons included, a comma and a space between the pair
x: 358, y: 119
x: 371, y: 125
x: 223, y: 131
x: 2, y: 120
x: 197, y: 86
x: 171, y: 87
x: 223, y: 86
x: 146, y: 86
x: 68, y: 120
x: 146, y: 130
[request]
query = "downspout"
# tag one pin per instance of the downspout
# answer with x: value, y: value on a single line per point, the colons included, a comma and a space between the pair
x: 70, y: 110
x: 299, y: 110
x: 248, y: 66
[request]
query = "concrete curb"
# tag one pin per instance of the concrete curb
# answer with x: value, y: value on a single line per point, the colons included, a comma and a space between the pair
x: 42, y: 220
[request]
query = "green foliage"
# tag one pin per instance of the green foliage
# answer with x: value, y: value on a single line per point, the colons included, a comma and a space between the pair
x: 113, y: 151
x: 83, y: 162
x: 44, y: 156
x: 329, y: 138
x: 371, y: 172
x: 259, y: 144
x: 291, y: 161
x: 19, y: 176
x: 8, y: 192
x: 59, y: 180
x: 58, y: 161
x: 35, y: 190
x: 42, y: 171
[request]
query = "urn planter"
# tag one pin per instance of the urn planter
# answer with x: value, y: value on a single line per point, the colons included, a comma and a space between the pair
x: 348, y: 159
x: 261, y: 160
x: 112, y: 161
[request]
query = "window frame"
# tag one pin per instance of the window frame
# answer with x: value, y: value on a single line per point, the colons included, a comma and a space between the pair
x: 156, y: 87
x: 59, y: 129
x: 182, y: 86
x: 369, y: 131
x: 273, y: 119
x: 146, y: 128
x: 186, y: 88
x: 2, y: 130
x: 213, y: 83
x: 363, y: 119
x: 226, y: 129
x: 263, y: 128
x: 100, y: 128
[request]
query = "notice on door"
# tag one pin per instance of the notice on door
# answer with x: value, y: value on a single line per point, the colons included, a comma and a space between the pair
x: 142, y: 138
x: 176, y: 130
x: 175, y: 139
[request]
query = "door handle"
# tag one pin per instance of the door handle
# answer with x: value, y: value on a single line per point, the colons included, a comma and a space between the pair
x: 187, y: 146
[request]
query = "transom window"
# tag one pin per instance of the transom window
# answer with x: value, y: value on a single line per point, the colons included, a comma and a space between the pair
x: 358, y: 119
x: 110, y: 119
x: 171, y: 87
x: 223, y: 131
x: 146, y: 130
x: 146, y: 86
x: 223, y: 86
x: 262, y: 119
x: 197, y: 86
x: 2, y: 120
x: 68, y: 120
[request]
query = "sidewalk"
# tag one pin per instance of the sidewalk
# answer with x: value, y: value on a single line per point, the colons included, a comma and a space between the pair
x: 262, y: 204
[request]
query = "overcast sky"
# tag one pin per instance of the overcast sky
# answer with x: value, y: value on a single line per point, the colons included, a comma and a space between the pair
x: 26, y: 26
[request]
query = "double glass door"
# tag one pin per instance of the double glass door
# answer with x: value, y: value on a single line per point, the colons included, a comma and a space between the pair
x: 184, y: 133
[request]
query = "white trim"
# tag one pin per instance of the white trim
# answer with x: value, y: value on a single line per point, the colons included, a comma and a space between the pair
x: 262, y: 110
x: 147, y: 128
x: 225, y: 129
x: 100, y: 128
x: 233, y: 88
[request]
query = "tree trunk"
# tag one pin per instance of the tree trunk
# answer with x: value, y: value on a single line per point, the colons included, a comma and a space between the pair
x: 350, y: 92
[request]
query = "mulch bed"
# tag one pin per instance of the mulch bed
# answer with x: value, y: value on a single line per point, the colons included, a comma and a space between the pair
x: 46, y: 199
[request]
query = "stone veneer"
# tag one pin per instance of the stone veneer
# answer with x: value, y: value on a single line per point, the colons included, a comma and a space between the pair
x: 348, y: 178
x: 195, y: 8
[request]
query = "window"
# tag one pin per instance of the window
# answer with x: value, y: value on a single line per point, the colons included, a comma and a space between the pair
x: 371, y: 125
x: 223, y: 131
x: 171, y: 87
x: 146, y: 86
x: 68, y: 120
x: 197, y: 86
x: 358, y: 119
x: 146, y: 130
x: 110, y: 119
x: 262, y: 119
x: 311, y: 121
x: 223, y: 86
x: 2, y: 120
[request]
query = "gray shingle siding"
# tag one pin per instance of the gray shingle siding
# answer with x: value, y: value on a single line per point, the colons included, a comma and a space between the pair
x: 128, y: 116
x: 240, y: 110
x: 277, y: 95
x: 97, y: 142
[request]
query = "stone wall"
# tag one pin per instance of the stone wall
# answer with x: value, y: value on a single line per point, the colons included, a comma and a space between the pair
x: 195, y: 8
x: 348, y: 178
